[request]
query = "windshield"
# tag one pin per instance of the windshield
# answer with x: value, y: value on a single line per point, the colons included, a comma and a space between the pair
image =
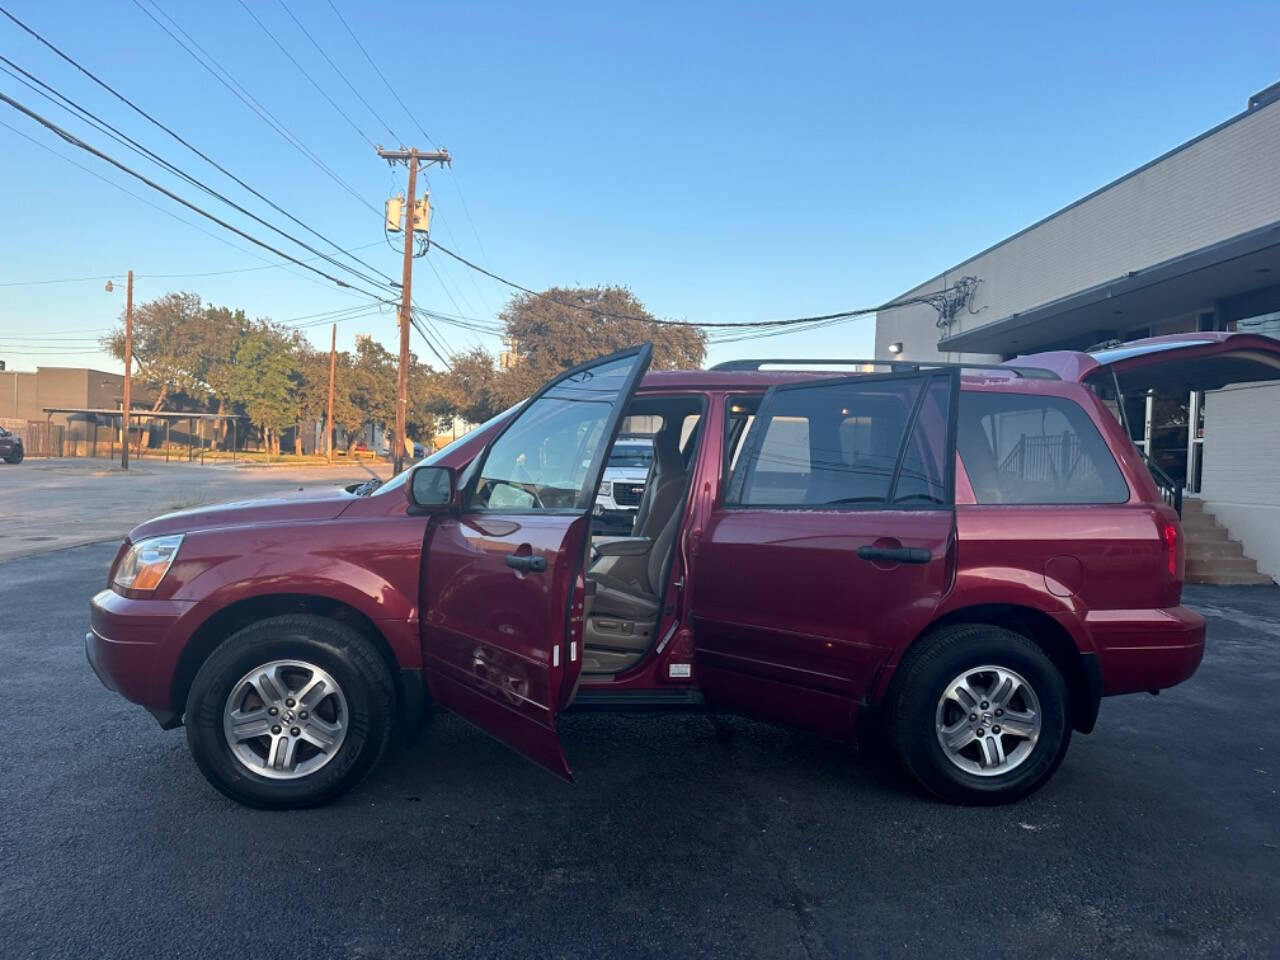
x: 636, y: 456
x: 397, y: 482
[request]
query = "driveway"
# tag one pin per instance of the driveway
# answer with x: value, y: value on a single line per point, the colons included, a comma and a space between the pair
x: 684, y: 836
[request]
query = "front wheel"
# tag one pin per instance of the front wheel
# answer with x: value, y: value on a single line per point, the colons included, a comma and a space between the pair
x: 979, y: 714
x: 15, y: 457
x: 290, y: 712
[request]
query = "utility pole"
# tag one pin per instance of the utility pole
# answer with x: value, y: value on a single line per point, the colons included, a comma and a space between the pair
x: 412, y: 157
x: 328, y: 423
x: 128, y: 370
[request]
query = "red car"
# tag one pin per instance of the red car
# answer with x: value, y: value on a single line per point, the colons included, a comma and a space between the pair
x: 961, y: 562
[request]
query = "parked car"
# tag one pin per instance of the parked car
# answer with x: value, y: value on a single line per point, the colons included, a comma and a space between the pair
x: 11, y: 449
x: 960, y: 563
x: 622, y: 484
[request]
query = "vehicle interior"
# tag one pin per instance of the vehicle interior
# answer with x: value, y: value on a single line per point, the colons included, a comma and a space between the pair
x: 627, y: 575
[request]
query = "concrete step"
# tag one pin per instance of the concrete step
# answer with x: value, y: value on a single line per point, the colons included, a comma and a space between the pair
x: 1240, y: 564
x: 1208, y: 549
x: 1190, y: 506
x: 1203, y: 526
x: 1230, y: 579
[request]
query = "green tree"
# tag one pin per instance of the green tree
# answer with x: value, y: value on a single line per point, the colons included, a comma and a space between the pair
x: 564, y: 327
x: 470, y: 388
x: 165, y: 332
x: 264, y: 381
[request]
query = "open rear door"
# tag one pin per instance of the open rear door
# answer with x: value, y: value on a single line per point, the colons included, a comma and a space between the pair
x: 503, y: 585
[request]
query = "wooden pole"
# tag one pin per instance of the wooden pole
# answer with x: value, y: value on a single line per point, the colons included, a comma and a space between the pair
x: 128, y: 371
x: 328, y: 423
x: 406, y: 300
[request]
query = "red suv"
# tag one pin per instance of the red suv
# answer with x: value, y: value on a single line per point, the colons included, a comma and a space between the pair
x: 959, y: 561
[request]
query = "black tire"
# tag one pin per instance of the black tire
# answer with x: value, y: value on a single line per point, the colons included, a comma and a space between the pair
x: 354, y: 665
x: 15, y: 457
x: 919, y: 682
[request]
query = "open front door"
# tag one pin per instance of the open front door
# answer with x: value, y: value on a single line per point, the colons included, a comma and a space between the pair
x: 503, y: 587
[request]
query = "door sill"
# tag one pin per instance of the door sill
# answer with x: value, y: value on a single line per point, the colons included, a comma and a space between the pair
x: 638, y: 701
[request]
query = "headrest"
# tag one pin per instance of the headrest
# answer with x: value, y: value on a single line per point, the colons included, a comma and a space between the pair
x: 666, y: 450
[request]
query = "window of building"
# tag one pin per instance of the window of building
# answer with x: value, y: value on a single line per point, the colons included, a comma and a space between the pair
x: 1024, y: 448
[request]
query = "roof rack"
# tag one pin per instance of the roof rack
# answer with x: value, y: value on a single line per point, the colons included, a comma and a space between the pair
x: 894, y: 366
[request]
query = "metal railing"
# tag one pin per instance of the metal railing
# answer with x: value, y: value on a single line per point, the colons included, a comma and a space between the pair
x: 1170, y: 489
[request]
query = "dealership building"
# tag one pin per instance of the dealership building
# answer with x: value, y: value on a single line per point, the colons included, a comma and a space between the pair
x: 1187, y: 242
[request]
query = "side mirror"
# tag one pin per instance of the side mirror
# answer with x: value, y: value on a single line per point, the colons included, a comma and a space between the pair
x: 431, y: 489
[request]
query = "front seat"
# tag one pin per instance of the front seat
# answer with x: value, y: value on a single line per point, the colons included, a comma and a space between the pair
x: 625, y: 610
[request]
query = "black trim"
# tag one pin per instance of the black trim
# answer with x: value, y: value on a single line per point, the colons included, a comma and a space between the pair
x: 642, y: 701
x: 1085, y: 702
x: 411, y: 704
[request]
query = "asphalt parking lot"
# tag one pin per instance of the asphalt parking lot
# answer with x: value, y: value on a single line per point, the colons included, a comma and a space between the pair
x: 684, y: 835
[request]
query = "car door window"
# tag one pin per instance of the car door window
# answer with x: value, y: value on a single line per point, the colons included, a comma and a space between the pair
x: 544, y: 460
x: 872, y: 441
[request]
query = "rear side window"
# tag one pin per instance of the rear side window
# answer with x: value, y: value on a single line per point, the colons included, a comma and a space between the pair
x: 1023, y: 448
x: 841, y: 444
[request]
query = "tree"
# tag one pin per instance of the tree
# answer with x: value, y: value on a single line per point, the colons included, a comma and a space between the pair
x: 165, y: 331
x: 470, y: 387
x: 563, y: 327
x: 264, y: 381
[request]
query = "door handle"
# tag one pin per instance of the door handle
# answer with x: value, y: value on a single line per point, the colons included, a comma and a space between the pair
x: 895, y: 554
x: 528, y: 564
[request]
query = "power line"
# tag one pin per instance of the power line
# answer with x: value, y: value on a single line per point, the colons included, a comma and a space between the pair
x: 338, y: 71
x: 154, y: 206
x: 119, y: 96
x: 303, y: 71
x: 245, y: 97
x: 815, y: 321
x: 127, y: 141
x: 77, y: 142
x: 381, y: 77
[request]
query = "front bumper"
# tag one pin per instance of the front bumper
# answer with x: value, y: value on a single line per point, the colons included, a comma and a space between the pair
x: 134, y: 647
x: 1146, y: 649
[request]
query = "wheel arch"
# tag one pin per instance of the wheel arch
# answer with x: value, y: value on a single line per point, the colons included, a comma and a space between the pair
x: 1078, y: 668
x: 214, y: 631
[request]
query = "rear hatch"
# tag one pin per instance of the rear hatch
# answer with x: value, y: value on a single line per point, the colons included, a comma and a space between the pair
x: 1179, y: 362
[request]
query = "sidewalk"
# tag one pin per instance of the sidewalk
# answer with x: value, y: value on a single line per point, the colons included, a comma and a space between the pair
x: 56, y: 503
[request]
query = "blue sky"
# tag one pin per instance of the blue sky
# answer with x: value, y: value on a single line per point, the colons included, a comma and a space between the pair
x: 725, y: 161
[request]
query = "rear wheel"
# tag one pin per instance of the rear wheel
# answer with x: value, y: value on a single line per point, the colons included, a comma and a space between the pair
x: 15, y: 457
x: 290, y: 712
x: 979, y: 714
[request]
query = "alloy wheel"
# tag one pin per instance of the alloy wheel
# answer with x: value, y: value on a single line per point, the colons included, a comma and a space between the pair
x: 285, y: 719
x: 988, y: 720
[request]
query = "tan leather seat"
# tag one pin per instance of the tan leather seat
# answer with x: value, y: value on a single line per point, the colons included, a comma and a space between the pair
x: 628, y: 588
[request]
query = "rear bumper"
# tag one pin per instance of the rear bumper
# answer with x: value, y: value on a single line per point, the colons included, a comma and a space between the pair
x: 134, y: 646
x: 1146, y: 649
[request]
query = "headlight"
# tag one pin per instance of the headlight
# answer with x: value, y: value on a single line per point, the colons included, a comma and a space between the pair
x: 146, y: 563
x: 606, y: 488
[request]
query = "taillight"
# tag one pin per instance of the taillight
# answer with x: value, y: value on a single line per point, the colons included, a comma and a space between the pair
x: 1174, y: 550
